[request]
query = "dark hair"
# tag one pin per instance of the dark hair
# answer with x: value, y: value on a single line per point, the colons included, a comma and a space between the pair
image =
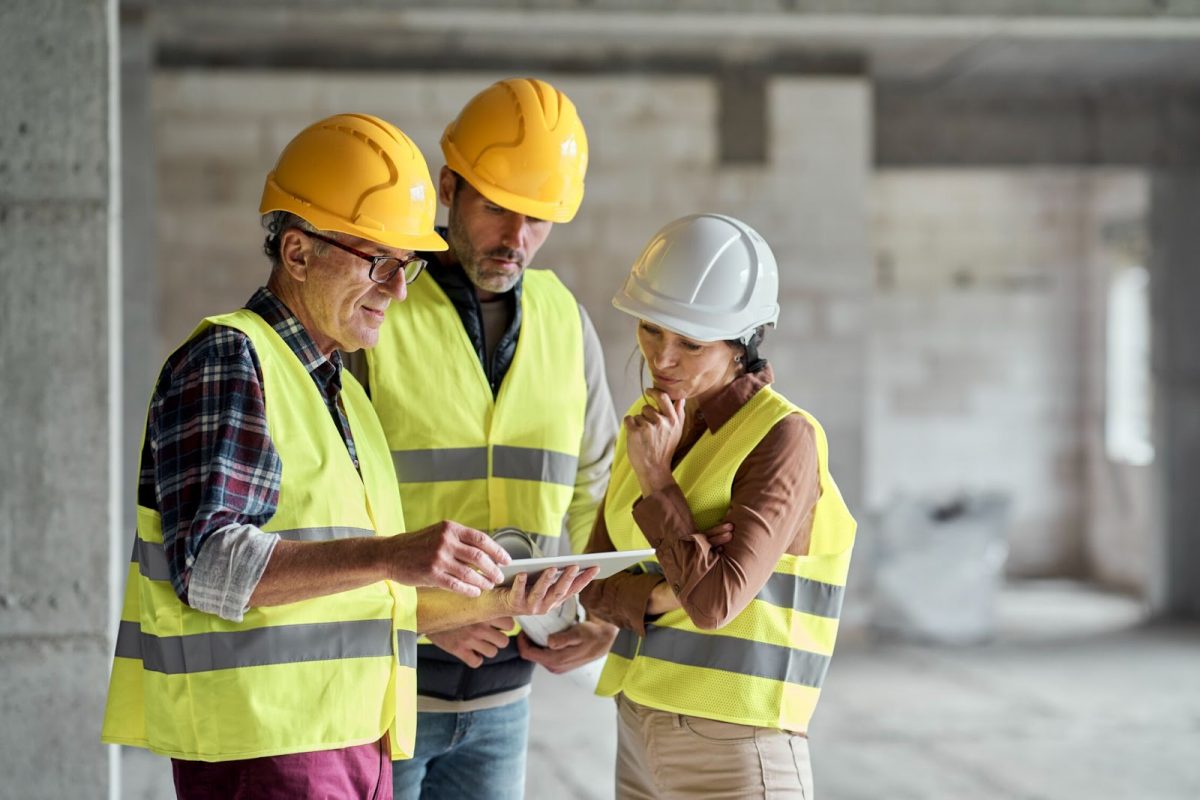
x: 275, y: 223
x: 750, y: 357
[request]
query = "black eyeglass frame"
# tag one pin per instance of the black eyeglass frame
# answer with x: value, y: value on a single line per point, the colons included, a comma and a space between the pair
x: 416, y: 263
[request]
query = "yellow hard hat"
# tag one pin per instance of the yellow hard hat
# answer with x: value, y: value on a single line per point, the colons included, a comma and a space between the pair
x: 521, y: 144
x: 360, y: 175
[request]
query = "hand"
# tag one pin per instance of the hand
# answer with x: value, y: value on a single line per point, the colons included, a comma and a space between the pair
x: 718, y: 535
x: 448, y: 556
x: 473, y: 643
x: 651, y: 438
x: 662, y: 600
x: 574, y: 647
x: 548, y: 592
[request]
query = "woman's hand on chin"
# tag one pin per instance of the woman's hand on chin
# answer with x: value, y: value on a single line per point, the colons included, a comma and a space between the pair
x: 651, y: 439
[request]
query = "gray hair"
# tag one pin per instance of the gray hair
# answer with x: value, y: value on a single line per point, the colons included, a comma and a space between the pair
x: 275, y: 223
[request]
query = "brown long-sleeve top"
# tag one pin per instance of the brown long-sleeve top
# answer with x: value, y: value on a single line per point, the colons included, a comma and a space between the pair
x: 774, y: 492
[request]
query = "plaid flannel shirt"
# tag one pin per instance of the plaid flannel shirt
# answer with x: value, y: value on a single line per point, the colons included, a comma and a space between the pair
x: 208, y: 464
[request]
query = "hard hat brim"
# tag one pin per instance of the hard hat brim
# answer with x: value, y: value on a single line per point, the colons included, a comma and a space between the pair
x: 686, y: 328
x: 551, y: 212
x: 275, y: 199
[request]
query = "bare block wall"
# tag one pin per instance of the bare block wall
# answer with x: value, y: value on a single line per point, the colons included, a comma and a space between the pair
x: 987, y: 356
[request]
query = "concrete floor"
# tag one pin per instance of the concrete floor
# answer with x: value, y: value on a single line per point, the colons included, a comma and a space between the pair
x: 1073, y: 699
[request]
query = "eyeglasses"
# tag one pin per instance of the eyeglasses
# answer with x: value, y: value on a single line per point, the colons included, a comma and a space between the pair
x: 383, y: 268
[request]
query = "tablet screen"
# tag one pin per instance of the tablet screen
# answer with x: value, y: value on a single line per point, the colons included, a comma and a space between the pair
x: 609, y: 563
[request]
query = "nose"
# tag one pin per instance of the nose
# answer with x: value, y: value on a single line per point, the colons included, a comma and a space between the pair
x: 396, y: 287
x: 512, y: 235
x: 660, y: 356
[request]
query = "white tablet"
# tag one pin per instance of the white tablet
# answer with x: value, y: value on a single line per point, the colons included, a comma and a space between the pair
x: 609, y: 563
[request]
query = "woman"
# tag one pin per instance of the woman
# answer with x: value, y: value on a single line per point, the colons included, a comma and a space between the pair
x: 725, y: 640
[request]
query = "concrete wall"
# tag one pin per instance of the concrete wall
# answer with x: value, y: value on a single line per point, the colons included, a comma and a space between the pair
x: 984, y: 319
x: 653, y: 158
x: 1030, y: 121
x: 1175, y: 285
x: 1122, y: 526
x: 57, y: 353
x: 139, y: 286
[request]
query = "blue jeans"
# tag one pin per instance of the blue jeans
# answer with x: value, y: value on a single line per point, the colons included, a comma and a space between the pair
x: 475, y: 754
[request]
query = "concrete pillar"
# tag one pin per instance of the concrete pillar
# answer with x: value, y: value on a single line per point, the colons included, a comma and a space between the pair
x: 140, y: 345
x: 60, y: 360
x: 815, y: 217
x: 1175, y: 287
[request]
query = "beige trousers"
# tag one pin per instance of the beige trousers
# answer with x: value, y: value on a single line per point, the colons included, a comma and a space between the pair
x: 669, y: 756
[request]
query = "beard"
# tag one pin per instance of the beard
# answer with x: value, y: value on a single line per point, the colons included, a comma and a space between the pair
x: 474, y: 261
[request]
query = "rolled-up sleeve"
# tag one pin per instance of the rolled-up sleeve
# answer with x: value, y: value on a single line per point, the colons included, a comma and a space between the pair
x: 228, y: 570
x: 214, y: 470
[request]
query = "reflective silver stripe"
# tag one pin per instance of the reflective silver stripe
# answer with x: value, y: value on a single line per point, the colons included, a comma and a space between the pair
x: 626, y: 643
x: 151, y: 557
x: 327, y: 534
x: 731, y: 654
x: 129, y: 640
x: 803, y: 594
x: 440, y: 464
x: 533, y: 464
x: 470, y: 463
x: 650, y: 567
x: 406, y: 648
x: 790, y: 591
x: 280, y: 644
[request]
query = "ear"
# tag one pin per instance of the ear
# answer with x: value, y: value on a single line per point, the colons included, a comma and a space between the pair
x: 447, y: 180
x: 294, y: 251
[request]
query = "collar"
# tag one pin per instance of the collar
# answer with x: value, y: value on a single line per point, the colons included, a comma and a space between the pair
x: 720, y: 408
x: 281, y: 319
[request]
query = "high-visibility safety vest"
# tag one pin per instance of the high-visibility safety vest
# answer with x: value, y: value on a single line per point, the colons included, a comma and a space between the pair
x: 463, y: 454
x: 320, y: 674
x: 766, y: 666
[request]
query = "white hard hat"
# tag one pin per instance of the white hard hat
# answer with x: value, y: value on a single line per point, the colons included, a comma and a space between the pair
x: 708, y: 277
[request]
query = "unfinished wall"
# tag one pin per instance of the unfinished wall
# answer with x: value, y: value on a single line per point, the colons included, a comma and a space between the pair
x: 977, y: 348
x: 1175, y: 285
x: 1122, y: 524
x: 653, y: 158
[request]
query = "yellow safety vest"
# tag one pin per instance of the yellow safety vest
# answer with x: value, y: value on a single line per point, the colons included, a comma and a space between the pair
x: 319, y: 674
x: 766, y: 666
x: 460, y: 453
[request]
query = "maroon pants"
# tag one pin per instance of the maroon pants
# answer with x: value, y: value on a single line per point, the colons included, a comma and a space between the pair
x: 363, y: 772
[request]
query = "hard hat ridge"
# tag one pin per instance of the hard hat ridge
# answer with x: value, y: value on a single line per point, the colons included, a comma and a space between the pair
x: 521, y: 144
x: 708, y: 277
x: 360, y: 175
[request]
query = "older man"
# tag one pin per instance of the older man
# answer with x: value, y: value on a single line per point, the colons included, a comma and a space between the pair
x: 266, y: 644
x: 512, y: 424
